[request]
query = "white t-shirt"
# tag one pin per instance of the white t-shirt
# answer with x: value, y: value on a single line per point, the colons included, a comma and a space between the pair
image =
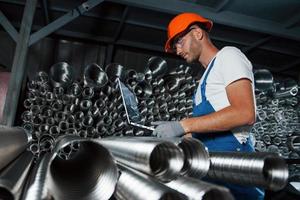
x: 230, y: 65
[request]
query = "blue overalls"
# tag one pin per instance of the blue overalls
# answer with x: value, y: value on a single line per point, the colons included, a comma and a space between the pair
x: 223, y: 141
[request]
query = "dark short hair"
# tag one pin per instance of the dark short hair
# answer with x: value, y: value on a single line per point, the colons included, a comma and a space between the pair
x: 200, y: 25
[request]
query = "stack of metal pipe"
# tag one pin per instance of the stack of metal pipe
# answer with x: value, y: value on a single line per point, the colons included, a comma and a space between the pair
x: 278, y: 117
x: 57, y: 104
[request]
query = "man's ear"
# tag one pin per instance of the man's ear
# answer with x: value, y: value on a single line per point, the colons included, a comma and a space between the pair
x: 199, y: 33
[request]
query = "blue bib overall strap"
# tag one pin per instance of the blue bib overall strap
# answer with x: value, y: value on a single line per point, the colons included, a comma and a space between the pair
x: 223, y: 141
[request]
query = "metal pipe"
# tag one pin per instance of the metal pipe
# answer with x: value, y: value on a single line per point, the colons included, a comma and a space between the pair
x: 58, y: 92
x: 85, y: 105
x: 195, y: 189
x: 12, y: 178
x: 161, y: 159
x: 114, y: 71
x: 267, y: 170
x: 134, y: 185
x: 74, y: 90
x: 93, y: 165
x: 88, y: 93
x: 156, y: 66
x: 196, y: 157
x: 14, y: 140
x: 94, y: 76
x: 61, y: 75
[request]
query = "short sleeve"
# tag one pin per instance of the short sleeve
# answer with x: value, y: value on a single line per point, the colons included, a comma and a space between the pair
x: 234, y: 65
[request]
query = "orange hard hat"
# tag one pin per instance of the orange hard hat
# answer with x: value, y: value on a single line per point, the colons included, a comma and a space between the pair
x: 181, y: 22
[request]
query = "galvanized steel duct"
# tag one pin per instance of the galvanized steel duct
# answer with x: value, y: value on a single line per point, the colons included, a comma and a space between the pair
x: 196, y: 189
x: 266, y: 170
x: 134, y: 185
x: 158, y: 158
x: 14, y: 140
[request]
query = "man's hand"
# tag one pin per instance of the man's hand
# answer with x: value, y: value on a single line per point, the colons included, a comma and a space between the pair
x: 168, y: 129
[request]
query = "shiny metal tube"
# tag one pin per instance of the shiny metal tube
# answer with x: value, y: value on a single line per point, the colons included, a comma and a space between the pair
x: 156, y: 66
x: 28, y: 127
x: 93, y: 165
x: 43, y: 128
x: 61, y: 74
x: 26, y: 116
x: 70, y: 119
x: 94, y: 76
x: 101, y: 131
x: 134, y: 185
x: 195, y: 189
x: 54, y: 131
x: 71, y: 131
x: 27, y: 103
x: 85, y: 105
x: 37, y: 188
x: 12, y: 178
x: 57, y: 105
x: 34, y: 148
x: 63, y: 126
x: 74, y: 90
x: 58, y: 92
x: 14, y: 141
x: 294, y: 143
x: 114, y: 71
x: 131, y: 74
x: 67, y: 99
x: 88, y: 93
x: 99, y: 103
x: 82, y: 133
x: 143, y: 89
x: 266, y: 170
x: 94, y: 112
x: 263, y: 80
x: 286, y: 93
x: 196, y: 157
x: 46, y: 142
x: 162, y: 159
x: 60, y: 116
x: 87, y: 121
x: 42, y: 77
x: 50, y: 121
x: 172, y: 84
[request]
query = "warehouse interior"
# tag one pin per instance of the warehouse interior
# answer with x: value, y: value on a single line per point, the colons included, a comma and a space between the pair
x: 36, y: 35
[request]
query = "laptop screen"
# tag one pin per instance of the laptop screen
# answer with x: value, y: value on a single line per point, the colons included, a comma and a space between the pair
x: 130, y: 103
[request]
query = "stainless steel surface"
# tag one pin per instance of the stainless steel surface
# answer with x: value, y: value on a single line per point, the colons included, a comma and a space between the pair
x: 114, y: 71
x: 156, y: 66
x: 94, y: 76
x: 266, y: 170
x: 196, y: 157
x: 158, y: 158
x: 134, y: 185
x: 196, y: 189
x: 91, y: 164
x: 263, y: 80
x: 61, y: 74
x: 14, y: 140
x: 13, y: 177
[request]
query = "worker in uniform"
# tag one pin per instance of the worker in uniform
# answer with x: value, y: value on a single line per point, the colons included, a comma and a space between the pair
x: 224, y: 101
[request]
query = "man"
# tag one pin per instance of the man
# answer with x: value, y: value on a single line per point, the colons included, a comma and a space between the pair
x: 224, y: 102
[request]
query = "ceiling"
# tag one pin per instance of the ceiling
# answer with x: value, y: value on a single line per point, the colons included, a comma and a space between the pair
x: 268, y: 32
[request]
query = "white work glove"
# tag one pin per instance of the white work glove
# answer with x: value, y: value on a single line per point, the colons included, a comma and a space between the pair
x: 166, y: 129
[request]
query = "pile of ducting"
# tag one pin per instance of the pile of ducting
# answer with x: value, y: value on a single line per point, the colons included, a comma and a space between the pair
x: 57, y: 104
x: 277, y: 128
x: 80, y: 146
x: 129, y: 168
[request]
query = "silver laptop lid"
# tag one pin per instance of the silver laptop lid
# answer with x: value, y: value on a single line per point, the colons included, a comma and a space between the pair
x: 130, y: 103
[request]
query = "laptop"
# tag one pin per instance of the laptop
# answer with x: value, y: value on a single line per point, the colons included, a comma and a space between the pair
x: 130, y: 103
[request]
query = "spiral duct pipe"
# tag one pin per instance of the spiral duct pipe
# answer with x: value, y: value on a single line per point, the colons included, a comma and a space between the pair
x: 162, y: 159
x: 258, y: 169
